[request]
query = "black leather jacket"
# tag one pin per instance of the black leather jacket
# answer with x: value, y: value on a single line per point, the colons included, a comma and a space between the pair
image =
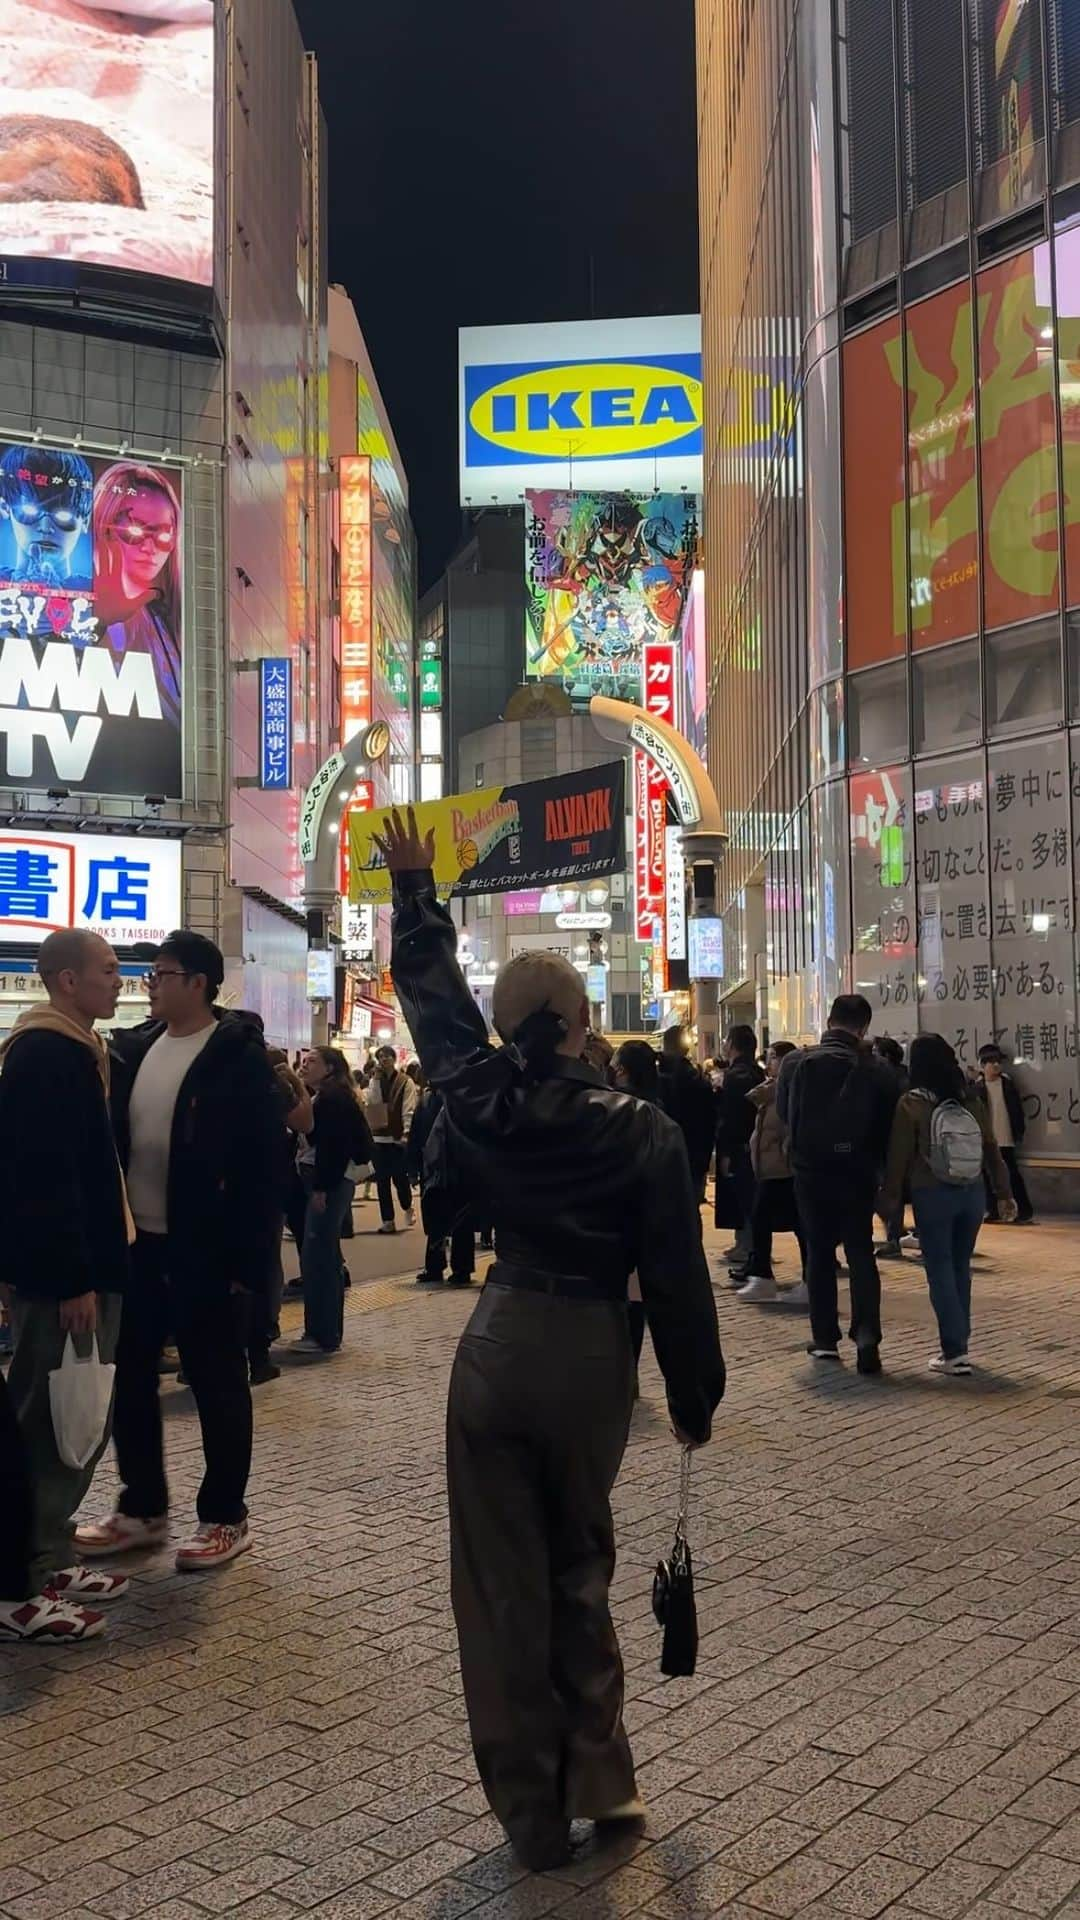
x: 576, y: 1178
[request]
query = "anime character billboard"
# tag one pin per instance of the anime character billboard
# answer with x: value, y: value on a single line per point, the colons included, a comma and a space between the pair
x: 604, y: 573
x: 91, y: 623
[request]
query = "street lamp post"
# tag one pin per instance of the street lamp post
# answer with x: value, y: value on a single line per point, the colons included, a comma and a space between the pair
x: 321, y: 817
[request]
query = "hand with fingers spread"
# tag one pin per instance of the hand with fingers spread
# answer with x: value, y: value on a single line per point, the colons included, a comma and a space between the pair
x: 401, y: 846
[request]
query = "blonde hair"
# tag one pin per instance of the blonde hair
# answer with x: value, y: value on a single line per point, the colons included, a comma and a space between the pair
x: 535, y: 982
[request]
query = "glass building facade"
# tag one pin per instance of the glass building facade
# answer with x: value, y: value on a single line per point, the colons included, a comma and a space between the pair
x: 890, y: 195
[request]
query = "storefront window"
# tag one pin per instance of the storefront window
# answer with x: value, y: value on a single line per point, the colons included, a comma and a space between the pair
x: 954, y: 983
x: 878, y: 714
x: 875, y: 545
x: 941, y: 469
x: 1023, y: 677
x: 947, y: 704
x: 1031, y: 900
x: 1018, y: 435
x: 827, y: 730
x: 883, y: 897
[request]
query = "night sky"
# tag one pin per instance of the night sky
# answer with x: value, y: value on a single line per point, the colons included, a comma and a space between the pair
x: 491, y: 162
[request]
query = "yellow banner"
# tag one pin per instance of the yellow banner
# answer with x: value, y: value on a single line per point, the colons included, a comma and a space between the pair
x: 464, y: 826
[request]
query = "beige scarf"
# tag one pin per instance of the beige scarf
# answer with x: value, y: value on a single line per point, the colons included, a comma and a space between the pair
x: 50, y: 1020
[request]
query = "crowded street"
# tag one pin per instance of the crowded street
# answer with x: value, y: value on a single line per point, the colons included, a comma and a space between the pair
x: 885, y: 1718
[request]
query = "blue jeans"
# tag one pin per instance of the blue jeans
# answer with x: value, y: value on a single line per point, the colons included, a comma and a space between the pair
x: 948, y: 1221
x: 320, y: 1267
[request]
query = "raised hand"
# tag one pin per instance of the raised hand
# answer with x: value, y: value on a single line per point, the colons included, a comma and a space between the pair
x: 402, y: 848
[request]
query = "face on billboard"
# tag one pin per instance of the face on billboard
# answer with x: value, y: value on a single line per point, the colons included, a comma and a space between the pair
x: 91, y: 623
x: 606, y: 574
x: 107, y: 134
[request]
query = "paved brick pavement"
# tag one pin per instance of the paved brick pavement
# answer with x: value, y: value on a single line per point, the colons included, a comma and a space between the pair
x: 886, y: 1719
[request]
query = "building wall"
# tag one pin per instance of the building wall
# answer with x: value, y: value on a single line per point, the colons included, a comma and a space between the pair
x: 894, y: 573
x: 485, y: 629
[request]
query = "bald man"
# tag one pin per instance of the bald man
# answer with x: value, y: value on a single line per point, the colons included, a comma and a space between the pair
x: 584, y: 1186
x: 67, y: 1228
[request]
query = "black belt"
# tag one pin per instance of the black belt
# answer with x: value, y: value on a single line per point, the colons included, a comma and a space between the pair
x: 566, y: 1286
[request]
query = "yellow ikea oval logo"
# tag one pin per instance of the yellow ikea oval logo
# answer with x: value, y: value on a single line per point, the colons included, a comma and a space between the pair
x: 608, y: 409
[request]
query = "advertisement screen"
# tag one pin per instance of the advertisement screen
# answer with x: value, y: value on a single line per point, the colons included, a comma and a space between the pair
x: 597, y: 403
x: 91, y: 623
x: 504, y: 839
x: 124, y: 888
x: 107, y: 134
x: 605, y: 574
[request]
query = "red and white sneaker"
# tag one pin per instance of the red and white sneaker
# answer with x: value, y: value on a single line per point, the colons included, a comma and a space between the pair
x: 120, y: 1533
x: 48, y: 1617
x: 89, y: 1583
x: 211, y: 1545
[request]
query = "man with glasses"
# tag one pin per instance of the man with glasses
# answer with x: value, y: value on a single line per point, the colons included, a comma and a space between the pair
x: 199, y: 1124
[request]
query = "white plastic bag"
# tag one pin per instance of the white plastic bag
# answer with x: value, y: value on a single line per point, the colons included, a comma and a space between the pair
x: 80, y: 1395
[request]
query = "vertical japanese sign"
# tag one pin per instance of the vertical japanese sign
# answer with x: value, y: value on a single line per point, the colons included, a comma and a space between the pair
x: 354, y: 479
x: 275, y: 725
x: 643, y: 911
x: 676, y: 894
x: 127, y: 889
x: 658, y: 699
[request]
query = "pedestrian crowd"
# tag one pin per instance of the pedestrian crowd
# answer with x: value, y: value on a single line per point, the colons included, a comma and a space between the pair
x: 149, y: 1180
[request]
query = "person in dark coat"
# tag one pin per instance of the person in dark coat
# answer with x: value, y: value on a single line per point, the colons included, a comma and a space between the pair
x: 199, y: 1126
x: 1009, y: 1123
x: 584, y: 1184
x: 446, y: 1231
x: 892, y: 1053
x: 690, y: 1100
x: 338, y: 1145
x: 734, y: 1128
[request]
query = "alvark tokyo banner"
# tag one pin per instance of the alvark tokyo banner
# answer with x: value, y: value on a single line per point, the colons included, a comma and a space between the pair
x: 500, y: 839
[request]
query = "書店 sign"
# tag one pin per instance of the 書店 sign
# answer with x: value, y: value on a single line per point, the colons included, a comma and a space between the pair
x: 126, y: 889
x: 503, y: 839
x: 585, y: 403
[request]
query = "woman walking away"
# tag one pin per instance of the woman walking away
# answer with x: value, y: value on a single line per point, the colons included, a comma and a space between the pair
x: 942, y: 1141
x: 339, y: 1143
x: 582, y: 1184
x: 775, y: 1210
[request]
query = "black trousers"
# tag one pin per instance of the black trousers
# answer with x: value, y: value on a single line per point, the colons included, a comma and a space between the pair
x: 264, y: 1305
x: 391, y: 1176
x: 209, y: 1330
x: 837, y: 1208
x: 540, y: 1402
x: 16, y: 1505
x: 774, y: 1212
x: 462, y: 1245
x: 1020, y: 1194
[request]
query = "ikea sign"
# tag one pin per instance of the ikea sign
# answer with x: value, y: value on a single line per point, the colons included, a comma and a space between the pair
x: 601, y: 405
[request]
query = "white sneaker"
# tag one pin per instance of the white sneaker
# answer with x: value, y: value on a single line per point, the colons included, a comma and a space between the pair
x: 797, y: 1296
x: 47, y: 1617
x: 89, y: 1583
x: 387, y: 1227
x: 958, y: 1369
x: 910, y: 1240
x: 758, y: 1288
x: 305, y: 1344
x: 211, y: 1545
x: 120, y: 1533
x: 410, y: 1217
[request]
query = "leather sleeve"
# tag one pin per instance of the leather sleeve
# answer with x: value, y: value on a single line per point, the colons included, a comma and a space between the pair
x: 441, y: 1014
x: 675, y: 1285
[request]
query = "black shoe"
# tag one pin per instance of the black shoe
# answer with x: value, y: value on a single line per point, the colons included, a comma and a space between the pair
x: 262, y: 1371
x: 346, y: 1278
x: 487, y: 1244
x: 294, y: 1286
x: 426, y: 1279
x: 869, y: 1360
x: 459, y: 1280
x: 822, y: 1353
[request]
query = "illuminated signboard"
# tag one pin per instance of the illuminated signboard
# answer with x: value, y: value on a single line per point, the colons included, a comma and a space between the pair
x: 320, y: 974
x: 658, y: 666
x: 92, y: 619
x: 594, y: 403
x: 275, y: 724
x: 706, y: 949
x: 676, y: 894
x: 354, y: 480
x: 127, y: 888
x: 108, y: 137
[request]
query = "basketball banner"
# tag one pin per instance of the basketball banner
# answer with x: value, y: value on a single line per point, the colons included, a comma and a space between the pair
x: 499, y: 839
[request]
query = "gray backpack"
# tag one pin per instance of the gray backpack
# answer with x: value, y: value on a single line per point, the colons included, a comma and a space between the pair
x: 956, y: 1144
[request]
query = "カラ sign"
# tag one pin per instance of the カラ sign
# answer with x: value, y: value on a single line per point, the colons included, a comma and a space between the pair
x: 501, y: 839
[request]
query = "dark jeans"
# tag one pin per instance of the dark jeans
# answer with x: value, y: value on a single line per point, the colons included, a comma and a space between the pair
x: 540, y: 1400
x: 15, y: 1505
x: 462, y: 1254
x: 1024, y: 1208
x: 209, y: 1331
x: 636, y: 1314
x: 320, y: 1264
x: 265, y: 1305
x: 774, y: 1212
x: 391, y: 1176
x: 837, y: 1208
x: 948, y: 1220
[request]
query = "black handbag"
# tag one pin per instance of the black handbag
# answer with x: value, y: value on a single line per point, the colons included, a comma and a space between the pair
x: 673, y: 1592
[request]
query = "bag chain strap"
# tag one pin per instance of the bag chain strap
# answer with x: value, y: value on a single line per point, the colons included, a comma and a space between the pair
x: 682, y: 1515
